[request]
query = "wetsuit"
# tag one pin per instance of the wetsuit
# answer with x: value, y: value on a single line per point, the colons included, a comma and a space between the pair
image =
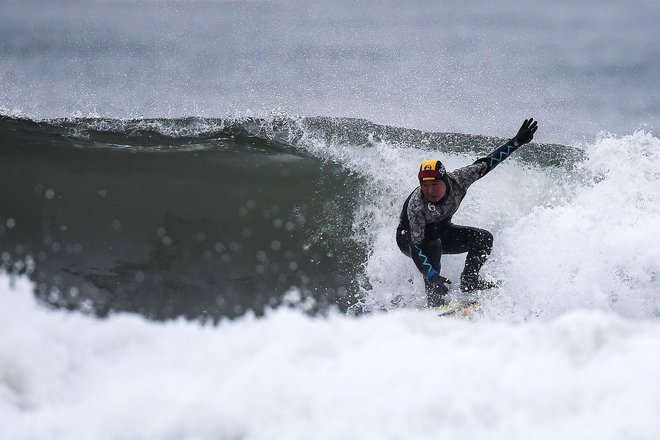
x: 425, y: 230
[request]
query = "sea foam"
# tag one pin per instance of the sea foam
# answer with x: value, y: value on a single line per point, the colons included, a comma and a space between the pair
x: 402, y: 374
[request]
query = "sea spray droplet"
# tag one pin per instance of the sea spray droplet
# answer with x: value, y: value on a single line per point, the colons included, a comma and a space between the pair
x: 54, y: 294
x: 11, y: 223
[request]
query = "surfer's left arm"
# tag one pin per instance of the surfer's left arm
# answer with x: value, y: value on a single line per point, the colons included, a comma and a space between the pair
x: 524, y: 136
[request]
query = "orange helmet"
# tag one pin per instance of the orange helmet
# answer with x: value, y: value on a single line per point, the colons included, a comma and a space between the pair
x: 431, y: 170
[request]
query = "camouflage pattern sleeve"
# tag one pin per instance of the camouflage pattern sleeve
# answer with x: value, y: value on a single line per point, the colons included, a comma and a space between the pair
x: 416, y: 218
x: 466, y: 176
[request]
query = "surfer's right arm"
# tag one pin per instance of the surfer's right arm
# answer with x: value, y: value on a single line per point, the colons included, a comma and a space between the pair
x: 416, y: 230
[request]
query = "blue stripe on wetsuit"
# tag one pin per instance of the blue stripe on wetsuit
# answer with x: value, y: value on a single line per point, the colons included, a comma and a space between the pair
x: 430, y: 272
x: 503, y: 155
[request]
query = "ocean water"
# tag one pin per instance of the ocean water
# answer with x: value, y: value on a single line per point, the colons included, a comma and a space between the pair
x: 198, y: 202
x: 478, y: 67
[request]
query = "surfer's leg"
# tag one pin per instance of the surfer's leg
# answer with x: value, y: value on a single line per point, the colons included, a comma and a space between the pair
x: 478, y: 244
x: 403, y: 242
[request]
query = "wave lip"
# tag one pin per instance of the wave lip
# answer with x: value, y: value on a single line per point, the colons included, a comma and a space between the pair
x: 278, y: 129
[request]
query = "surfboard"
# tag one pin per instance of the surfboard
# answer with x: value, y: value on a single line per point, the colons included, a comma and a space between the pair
x: 457, y: 308
x: 464, y: 304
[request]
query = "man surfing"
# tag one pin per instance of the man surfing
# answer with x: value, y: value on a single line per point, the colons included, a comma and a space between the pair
x: 425, y: 230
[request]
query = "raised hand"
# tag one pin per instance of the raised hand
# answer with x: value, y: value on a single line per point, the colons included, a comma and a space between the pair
x: 526, y: 132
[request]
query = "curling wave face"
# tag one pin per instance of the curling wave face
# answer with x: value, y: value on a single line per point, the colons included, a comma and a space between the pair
x: 213, y: 217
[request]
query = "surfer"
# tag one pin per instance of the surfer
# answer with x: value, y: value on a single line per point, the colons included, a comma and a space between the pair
x: 425, y: 230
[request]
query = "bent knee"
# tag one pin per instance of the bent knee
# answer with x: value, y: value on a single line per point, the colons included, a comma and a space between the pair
x: 485, y: 238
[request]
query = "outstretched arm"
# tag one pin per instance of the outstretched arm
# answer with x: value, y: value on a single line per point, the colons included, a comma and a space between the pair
x: 524, y: 136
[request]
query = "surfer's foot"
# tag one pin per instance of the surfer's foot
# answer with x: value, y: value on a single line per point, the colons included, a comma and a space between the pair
x: 470, y: 283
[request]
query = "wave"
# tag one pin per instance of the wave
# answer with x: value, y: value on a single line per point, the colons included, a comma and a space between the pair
x: 216, y: 216
x: 277, y: 129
